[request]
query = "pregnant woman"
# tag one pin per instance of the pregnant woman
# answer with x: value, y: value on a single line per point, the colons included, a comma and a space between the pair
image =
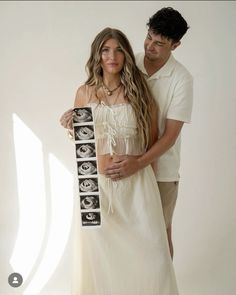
x: 128, y: 254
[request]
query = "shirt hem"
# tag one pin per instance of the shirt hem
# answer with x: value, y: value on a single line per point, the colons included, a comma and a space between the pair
x: 159, y: 179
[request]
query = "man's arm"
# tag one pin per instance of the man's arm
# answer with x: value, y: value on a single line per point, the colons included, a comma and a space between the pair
x: 128, y: 165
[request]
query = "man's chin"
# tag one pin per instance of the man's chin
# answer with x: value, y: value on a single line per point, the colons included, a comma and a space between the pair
x: 150, y: 57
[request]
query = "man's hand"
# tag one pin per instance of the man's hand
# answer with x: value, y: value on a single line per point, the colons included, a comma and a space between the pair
x: 122, y: 167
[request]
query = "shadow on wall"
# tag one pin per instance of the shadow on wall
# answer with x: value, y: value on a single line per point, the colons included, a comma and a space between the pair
x: 43, y: 209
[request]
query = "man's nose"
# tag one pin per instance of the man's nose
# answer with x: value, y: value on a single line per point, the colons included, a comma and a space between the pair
x: 150, y: 45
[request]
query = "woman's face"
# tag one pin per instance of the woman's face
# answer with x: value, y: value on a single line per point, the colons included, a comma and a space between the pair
x: 112, y: 57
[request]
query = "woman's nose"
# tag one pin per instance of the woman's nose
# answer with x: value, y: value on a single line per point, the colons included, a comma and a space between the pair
x: 112, y: 54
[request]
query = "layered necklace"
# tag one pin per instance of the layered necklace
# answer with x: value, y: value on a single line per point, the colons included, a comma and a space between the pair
x: 108, y: 91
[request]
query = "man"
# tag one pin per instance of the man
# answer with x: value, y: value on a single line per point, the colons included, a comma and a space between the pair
x: 172, y: 87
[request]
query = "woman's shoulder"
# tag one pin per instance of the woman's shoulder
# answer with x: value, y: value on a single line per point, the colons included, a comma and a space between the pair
x: 83, y: 95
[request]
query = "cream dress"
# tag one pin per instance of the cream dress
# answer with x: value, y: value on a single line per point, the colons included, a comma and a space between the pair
x: 128, y: 254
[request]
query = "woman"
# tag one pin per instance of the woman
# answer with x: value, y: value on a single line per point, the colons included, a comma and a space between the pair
x: 129, y: 253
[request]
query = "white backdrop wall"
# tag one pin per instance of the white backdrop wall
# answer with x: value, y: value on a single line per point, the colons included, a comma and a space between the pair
x: 44, y: 48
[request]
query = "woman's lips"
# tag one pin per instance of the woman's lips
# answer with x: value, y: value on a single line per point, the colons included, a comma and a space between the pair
x: 113, y: 64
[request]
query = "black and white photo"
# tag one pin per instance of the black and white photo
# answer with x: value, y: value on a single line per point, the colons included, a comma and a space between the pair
x: 89, y: 202
x: 90, y: 218
x: 84, y: 132
x: 88, y: 185
x: 87, y: 167
x: 85, y: 150
x: 82, y: 115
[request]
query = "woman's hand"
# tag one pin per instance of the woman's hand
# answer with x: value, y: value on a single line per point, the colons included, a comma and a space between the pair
x: 66, y: 119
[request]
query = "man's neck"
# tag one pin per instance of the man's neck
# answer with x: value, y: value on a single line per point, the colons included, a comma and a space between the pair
x: 152, y: 66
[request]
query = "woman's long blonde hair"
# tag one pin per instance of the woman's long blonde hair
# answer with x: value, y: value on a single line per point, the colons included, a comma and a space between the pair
x: 136, y: 90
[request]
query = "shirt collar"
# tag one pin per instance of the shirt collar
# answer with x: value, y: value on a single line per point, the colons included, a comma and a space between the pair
x: 164, y: 71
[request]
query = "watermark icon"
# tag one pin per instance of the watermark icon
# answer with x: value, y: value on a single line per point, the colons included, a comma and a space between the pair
x: 15, y: 280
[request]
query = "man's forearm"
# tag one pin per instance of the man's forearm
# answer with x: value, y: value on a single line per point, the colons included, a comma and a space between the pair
x: 158, y: 149
x: 168, y: 139
x: 130, y: 165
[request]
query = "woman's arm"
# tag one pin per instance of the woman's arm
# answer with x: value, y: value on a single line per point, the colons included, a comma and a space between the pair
x: 81, y: 97
x: 66, y: 119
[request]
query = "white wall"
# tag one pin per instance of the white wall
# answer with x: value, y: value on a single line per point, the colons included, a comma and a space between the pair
x: 43, y: 51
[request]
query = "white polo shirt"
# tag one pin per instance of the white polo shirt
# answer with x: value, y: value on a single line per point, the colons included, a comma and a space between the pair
x: 172, y: 87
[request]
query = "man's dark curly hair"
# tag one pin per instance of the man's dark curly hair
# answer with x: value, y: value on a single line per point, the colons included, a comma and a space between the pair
x: 168, y: 23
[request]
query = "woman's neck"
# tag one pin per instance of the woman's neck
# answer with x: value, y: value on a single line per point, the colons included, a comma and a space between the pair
x: 111, y: 81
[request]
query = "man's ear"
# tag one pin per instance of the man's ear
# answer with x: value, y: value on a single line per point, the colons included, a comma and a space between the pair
x: 175, y: 45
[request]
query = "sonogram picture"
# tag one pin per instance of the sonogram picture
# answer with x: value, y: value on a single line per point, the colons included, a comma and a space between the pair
x: 85, y: 150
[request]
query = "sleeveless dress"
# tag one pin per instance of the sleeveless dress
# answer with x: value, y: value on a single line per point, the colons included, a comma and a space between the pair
x: 129, y: 253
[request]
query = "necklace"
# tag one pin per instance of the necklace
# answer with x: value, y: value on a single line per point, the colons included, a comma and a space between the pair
x: 109, y: 91
x: 116, y: 98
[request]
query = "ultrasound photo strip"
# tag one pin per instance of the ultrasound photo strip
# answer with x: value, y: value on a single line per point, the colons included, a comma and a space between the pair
x: 85, y: 148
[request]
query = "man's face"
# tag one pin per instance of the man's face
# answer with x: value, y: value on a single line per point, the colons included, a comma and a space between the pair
x: 158, y: 47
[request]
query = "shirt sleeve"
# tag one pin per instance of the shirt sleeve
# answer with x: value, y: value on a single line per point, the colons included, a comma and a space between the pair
x: 182, y: 101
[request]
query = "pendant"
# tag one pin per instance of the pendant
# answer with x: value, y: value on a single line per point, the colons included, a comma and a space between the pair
x: 109, y: 93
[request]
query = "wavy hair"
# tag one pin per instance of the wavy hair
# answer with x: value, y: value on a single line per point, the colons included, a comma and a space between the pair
x: 169, y: 23
x: 136, y: 90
